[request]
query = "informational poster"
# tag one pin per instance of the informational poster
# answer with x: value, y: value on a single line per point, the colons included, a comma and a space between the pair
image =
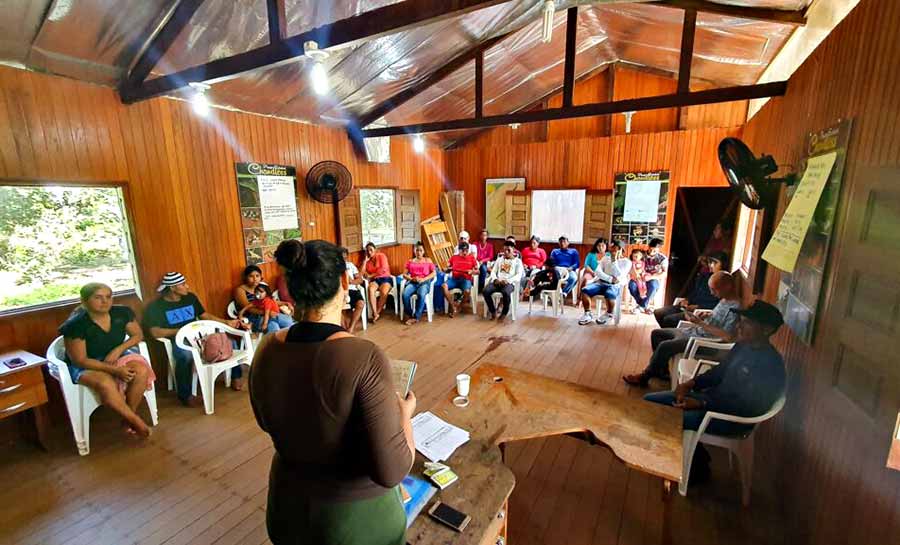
x: 800, y: 291
x: 784, y: 247
x: 269, y: 210
x: 640, y: 203
x: 495, y: 190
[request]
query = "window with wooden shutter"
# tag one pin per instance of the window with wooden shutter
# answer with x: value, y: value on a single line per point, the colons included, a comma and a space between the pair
x: 407, y: 216
x: 597, y: 213
x: 518, y: 214
x: 351, y: 222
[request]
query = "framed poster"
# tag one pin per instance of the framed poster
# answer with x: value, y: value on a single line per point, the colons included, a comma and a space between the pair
x: 640, y: 203
x: 799, y: 293
x: 495, y: 190
x: 269, y: 211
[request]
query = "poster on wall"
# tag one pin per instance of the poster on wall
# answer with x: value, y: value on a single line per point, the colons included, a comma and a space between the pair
x: 495, y: 190
x: 799, y: 291
x: 640, y: 202
x: 269, y: 211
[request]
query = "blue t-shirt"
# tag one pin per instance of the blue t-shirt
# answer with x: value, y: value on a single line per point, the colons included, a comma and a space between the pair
x: 173, y: 314
x: 567, y: 258
x: 747, y: 383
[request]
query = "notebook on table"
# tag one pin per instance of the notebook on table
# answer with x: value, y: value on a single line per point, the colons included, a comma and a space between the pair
x: 403, y: 372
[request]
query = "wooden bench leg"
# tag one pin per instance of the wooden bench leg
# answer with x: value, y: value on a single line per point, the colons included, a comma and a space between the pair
x: 667, y: 512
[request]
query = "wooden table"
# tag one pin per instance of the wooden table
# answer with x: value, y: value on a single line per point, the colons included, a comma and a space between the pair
x: 509, y: 405
x: 23, y: 388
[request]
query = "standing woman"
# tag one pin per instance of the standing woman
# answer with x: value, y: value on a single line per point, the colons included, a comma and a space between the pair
x: 419, y: 273
x: 342, y: 435
x: 377, y: 270
x: 95, y: 340
x: 246, y: 293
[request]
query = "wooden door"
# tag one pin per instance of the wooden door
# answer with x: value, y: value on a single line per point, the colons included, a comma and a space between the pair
x: 350, y: 222
x: 518, y: 214
x: 597, y: 215
x: 407, y: 216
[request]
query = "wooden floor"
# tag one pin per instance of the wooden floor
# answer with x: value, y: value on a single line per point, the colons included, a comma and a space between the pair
x: 202, y: 479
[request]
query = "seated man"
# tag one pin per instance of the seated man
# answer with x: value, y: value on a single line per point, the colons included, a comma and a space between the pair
x: 165, y: 316
x: 463, y: 266
x: 484, y: 253
x: 506, y: 273
x: 655, y: 265
x: 545, y: 280
x: 670, y: 342
x: 611, y: 274
x: 566, y: 258
x: 699, y: 297
x: 747, y: 383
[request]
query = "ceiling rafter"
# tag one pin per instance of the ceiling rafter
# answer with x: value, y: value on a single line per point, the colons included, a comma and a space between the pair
x: 796, y: 18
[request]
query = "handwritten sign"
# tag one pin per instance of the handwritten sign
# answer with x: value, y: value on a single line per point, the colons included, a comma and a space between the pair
x: 783, y: 249
x: 277, y: 201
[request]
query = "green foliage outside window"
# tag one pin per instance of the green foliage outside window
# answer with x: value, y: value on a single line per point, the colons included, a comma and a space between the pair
x: 377, y: 213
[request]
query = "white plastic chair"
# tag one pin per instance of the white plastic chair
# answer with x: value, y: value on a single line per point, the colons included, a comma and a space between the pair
x: 365, y: 314
x: 429, y: 299
x: 688, y: 365
x: 167, y: 346
x: 187, y: 338
x: 394, y: 294
x: 514, y: 301
x: 739, y: 446
x: 80, y: 400
x: 617, y: 312
x: 555, y: 298
x: 473, y: 296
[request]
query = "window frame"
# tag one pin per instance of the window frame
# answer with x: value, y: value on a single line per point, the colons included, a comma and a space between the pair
x: 125, y: 203
x: 394, y: 191
x: 745, y: 235
x: 582, y: 208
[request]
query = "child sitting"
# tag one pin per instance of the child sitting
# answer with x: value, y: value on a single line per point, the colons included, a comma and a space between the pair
x: 546, y: 279
x: 262, y: 300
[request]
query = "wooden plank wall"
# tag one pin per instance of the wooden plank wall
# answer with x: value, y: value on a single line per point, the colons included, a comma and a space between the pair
x: 828, y: 458
x: 178, y: 174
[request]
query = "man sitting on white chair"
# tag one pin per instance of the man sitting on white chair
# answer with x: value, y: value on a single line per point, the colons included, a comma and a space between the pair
x: 462, y: 268
x: 545, y: 280
x: 164, y: 316
x: 566, y: 258
x: 506, y: 273
x: 746, y: 384
x: 610, y: 276
x: 670, y: 341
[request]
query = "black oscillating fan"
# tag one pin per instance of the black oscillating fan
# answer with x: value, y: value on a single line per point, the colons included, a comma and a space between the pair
x: 328, y: 182
x: 749, y: 176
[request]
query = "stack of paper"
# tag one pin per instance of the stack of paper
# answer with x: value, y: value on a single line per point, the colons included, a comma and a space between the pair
x: 436, y: 439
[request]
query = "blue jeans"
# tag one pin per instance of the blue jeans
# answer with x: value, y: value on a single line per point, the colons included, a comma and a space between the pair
x: 570, y: 281
x: 652, y: 288
x: 421, y: 291
x: 691, y: 420
x: 608, y: 291
x: 184, y: 370
x: 276, y: 322
x: 482, y: 276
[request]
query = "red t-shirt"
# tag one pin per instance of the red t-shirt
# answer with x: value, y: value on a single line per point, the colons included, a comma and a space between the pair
x: 533, y: 258
x: 460, y: 266
x: 267, y: 304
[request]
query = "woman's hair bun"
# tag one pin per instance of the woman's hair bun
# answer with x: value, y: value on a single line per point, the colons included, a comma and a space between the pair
x: 291, y: 254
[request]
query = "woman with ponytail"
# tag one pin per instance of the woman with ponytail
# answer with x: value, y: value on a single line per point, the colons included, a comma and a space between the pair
x: 342, y: 435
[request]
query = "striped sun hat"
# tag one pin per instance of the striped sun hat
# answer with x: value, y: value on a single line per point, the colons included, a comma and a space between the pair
x: 171, y: 279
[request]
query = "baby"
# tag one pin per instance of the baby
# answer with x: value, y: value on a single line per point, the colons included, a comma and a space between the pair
x: 263, y: 301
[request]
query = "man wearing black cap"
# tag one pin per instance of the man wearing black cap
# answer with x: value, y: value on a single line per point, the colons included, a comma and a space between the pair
x: 747, y: 383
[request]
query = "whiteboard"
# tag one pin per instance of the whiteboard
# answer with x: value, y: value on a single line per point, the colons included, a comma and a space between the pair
x: 558, y: 212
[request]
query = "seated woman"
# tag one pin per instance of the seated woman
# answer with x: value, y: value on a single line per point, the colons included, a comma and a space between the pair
x: 245, y: 294
x: 354, y: 295
x: 377, y: 270
x: 637, y: 280
x: 419, y: 273
x: 545, y: 280
x: 592, y: 261
x: 164, y: 316
x: 533, y: 258
x: 463, y: 266
x: 99, y: 355
x: 342, y: 435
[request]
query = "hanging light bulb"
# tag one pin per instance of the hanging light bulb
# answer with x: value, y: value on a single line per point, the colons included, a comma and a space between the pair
x: 199, y: 102
x: 418, y: 144
x: 514, y: 126
x: 318, y: 75
x: 547, y: 30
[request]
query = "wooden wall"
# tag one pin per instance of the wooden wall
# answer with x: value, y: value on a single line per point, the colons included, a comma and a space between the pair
x: 828, y: 456
x: 179, y: 179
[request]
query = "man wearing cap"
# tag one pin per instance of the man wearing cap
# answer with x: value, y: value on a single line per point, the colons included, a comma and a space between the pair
x: 163, y: 317
x: 566, y: 259
x: 747, y: 383
x: 669, y: 342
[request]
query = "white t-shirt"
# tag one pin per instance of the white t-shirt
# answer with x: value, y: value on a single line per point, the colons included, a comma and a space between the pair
x: 608, y: 269
x: 509, y: 270
x: 352, y: 273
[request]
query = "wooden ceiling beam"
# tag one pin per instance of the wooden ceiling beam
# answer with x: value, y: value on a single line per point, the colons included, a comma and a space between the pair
x: 277, y: 19
x: 710, y: 96
x: 479, y: 85
x: 569, y: 63
x: 688, y: 31
x: 795, y: 18
x: 346, y: 32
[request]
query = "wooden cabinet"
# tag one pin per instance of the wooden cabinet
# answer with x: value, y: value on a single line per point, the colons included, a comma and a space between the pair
x: 23, y: 389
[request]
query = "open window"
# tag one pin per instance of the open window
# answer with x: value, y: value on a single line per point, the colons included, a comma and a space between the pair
x: 384, y: 216
x: 55, y: 239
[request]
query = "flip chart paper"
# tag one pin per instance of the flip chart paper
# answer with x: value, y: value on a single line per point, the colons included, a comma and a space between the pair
x: 641, y: 201
x: 278, y: 204
x: 783, y: 249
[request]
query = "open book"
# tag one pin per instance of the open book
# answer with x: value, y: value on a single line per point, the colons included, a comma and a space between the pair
x: 403, y: 371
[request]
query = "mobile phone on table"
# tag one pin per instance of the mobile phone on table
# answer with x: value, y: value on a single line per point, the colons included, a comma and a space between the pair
x: 15, y: 363
x: 449, y: 516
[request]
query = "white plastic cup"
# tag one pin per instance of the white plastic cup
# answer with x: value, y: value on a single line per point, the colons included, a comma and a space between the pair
x: 462, y: 384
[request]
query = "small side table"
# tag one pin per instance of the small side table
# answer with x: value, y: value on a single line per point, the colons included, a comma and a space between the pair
x: 22, y: 388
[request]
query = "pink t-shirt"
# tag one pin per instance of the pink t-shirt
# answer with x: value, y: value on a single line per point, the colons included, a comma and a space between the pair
x: 420, y: 269
x: 485, y: 252
x: 533, y: 258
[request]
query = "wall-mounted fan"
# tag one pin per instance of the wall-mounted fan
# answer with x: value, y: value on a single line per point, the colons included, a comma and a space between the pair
x: 749, y: 176
x: 328, y: 182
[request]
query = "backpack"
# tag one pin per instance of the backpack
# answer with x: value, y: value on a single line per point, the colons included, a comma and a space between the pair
x: 215, y: 347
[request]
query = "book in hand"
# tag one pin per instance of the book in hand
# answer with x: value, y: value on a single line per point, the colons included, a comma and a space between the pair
x: 403, y: 372
x: 419, y: 492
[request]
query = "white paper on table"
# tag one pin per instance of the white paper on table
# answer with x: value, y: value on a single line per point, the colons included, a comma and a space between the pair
x: 278, y: 202
x: 642, y: 201
x: 435, y: 438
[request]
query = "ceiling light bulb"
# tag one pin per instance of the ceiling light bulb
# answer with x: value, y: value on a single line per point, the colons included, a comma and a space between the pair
x: 514, y: 126
x: 547, y: 30
x: 319, y: 77
x: 418, y: 144
x: 199, y: 102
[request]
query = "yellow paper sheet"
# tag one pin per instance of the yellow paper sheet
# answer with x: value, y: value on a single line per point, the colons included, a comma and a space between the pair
x: 783, y: 249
